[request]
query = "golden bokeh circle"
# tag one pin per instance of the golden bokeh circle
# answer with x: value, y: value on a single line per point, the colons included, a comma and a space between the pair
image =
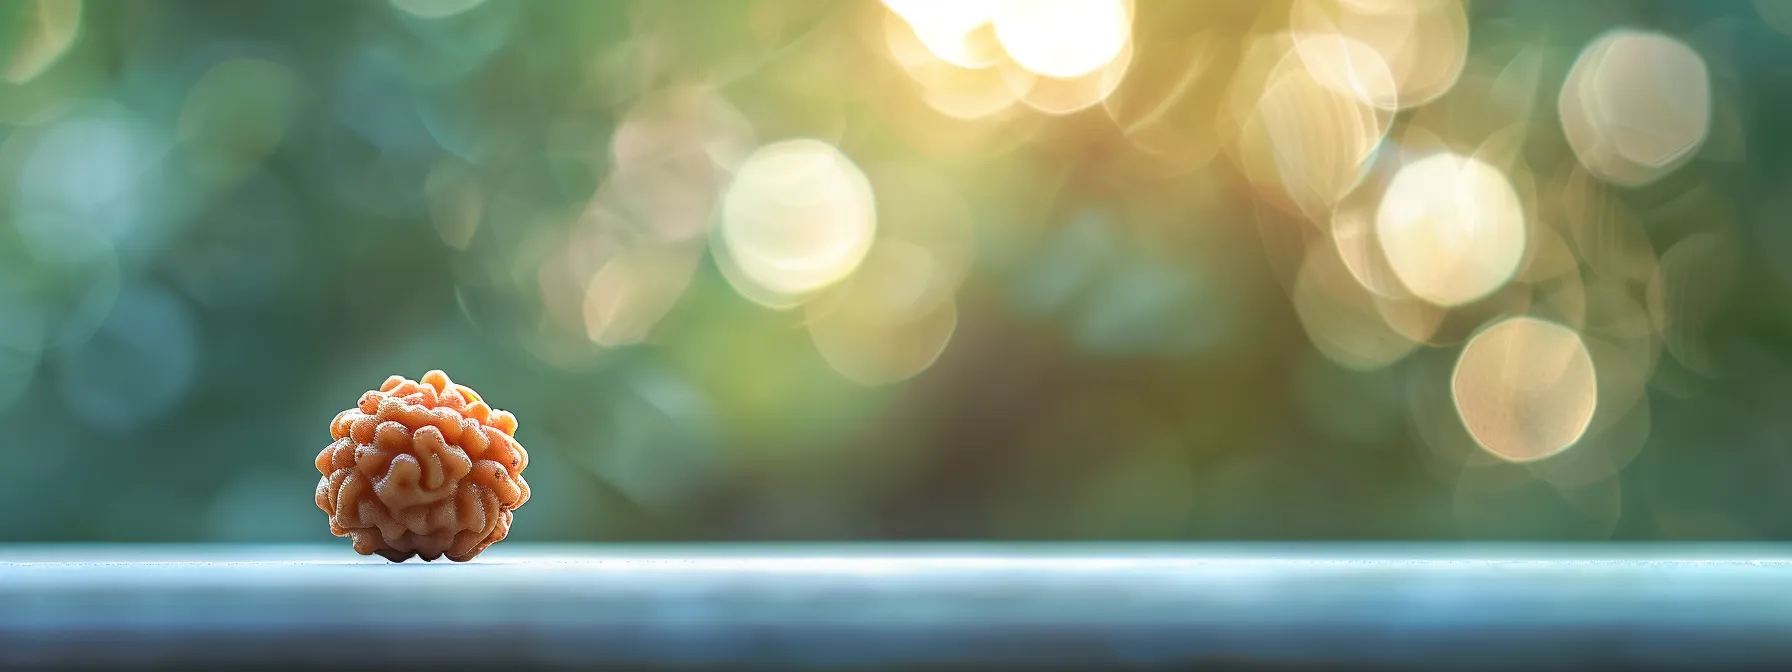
x: 1525, y: 388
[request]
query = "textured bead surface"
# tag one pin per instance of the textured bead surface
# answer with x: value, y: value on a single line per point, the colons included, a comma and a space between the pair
x: 422, y: 468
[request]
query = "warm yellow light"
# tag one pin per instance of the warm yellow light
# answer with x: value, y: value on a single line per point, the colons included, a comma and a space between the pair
x: 976, y: 58
x: 1055, y: 95
x: 1452, y: 228
x: 1353, y: 234
x: 1169, y: 104
x: 1525, y: 388
x: 1309, y: 131
x: 957, y: 32
x: 1062, y: 38
x: 798, y: 217
x: 1423, y: 42
x: 948, y: 87
x: 1350, y: 67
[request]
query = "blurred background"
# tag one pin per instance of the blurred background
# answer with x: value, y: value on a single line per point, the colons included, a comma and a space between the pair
x: 818, y: 269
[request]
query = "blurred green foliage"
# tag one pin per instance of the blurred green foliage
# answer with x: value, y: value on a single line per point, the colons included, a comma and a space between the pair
x: 221, y: 221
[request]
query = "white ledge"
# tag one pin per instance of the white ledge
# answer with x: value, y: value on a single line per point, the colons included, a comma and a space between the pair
x: 1024, y: 605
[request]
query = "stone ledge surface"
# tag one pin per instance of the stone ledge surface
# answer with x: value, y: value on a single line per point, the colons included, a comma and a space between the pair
x: 879, y: 605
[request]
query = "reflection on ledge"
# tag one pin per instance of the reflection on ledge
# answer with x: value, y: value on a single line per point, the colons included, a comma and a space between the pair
x: 831, y: 606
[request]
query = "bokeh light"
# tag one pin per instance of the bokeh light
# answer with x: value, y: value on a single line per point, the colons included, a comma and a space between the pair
x: 802, y: 269
x: 1525, y: 388
x: 671, y: 154
x: 51, y: 27
x: 974, y: 59
x: 874, y: 355
x: 1777, y: 14
x: 798, y: 217
x: 1424, y: 43
x: 1606, y: 232
x: 1309, y: 133
x: 1170, y: 103
x: 1350, y: 67
x: 958, y: 33
x: 86, y: 190
x: 1635, y: 106
x: 894, y: 316
x: 633, y: 289
x: 1063, y: 38
x: 1452, y: 228
x: 1341, y: 317
x: 237, y: 114
x: 1689, y: 290
x: 949, y: 88
x: 436, y: 9
x: 1064, y: 95
x: 883, y: 326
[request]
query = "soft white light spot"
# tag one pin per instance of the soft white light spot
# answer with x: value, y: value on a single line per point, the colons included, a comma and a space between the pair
x: 1635, y: 106
x: 1063, y: 38
x: 1525, y: 388
x: 798, y: 217
x: 1452, y: 228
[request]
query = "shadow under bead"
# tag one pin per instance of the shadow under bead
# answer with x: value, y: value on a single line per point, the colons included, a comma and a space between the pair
x: 422, y: 468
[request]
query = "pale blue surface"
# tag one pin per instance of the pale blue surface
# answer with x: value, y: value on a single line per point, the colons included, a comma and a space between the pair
x: 893, y: 604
